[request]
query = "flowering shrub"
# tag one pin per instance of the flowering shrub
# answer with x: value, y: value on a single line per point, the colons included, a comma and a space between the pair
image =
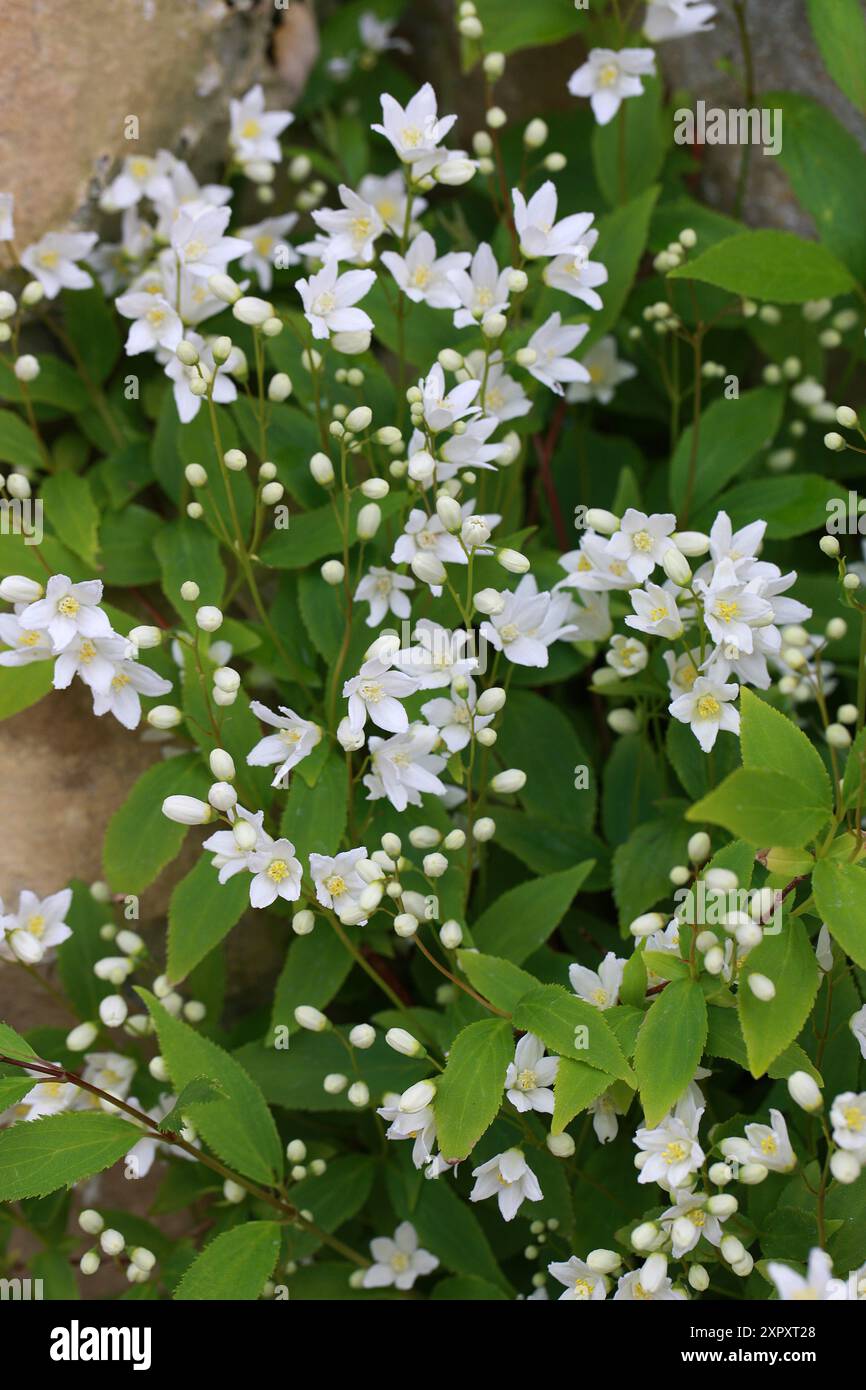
x: 444, y: 544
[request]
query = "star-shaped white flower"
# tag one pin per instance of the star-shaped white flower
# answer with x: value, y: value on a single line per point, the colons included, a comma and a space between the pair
x: 398, y: 1262
x: 508, y: 1178
x: 530, y: 1077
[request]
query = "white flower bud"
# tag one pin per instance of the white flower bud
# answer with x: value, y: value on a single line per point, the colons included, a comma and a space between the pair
x: 113, y: 1010
x: 714, y: 960
x: 698, y: 1278
x: 751, y: 1174
x: 279, y: 387
x: 829, y: 545
x: 208, y: 618
x: 720, y: 1174
x: 358, y: 1094
x: 845, y: 1166
x: 252, y: 311
x: 91, y: 1222
x: 363, y: 1035
x: 434, y: 865
x: 560, y: 1145
x: 112, y: 1242
x: 406, y: 925
x: 222, y: 765
x: 602, y: 521
x: 513, y: 561
x: 187, y: 810
x: 222, y: 796
x: 732, y: 1250
x: 623, y: 721
x: 322, y: 469
x: 491, y: 700
x: 496, y: 117
x: 489, y: 601
x: 351, y: 344
x: 838, y: 736
x: 272, y: 493
x: 308, y: 1017
x: 455, y: 172
x: 834, y: 442
x: 535, y: 134
x: 450, y: 513
x: 89, y: 1262
x: 233, y: 1192
x: 451, y: 935
x: 16, y: 588
x: 226, y: 678
x: 417, y: 1097
x: 189, y: 591
x: 655, y: 1269
x: 403, y: 1042
x: 507, y: 782
x: 164, y: 717
x: 26, y: 368
x: 645, y: 1236
x: 676, y: 567
x: 721, y: 880
x: 761, y: 987
x: 428, y: 568
x: 145, y: 637
x: 646, y: 924
x: 369, y: 518
x: 602, y: 1261
x: 333, y: 571
x: 334, y: 1083
x: 348, y: 738
x: 18, y: 486
x: 484, y: 829
x: 80, y: 1039
x: 7, y: 305
x: 805, y: 1091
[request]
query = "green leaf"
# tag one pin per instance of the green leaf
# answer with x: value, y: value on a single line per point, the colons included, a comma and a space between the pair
x: 769, y: 265
x: 641, y: 867
x: 59, y: 1150
x: 522, y: 919
x: 632, y: 784
x: 240, y: 1130
x: 92, y: 325
x: 78, y: 954
x: 57, y: 384
x: 669, y: 1048
x: 469, y: 1094
x: 825, y: 165
x: 769, y: 1026
x: 769, y: 739
x: 126, y: 541
x: 315, y: 968
x: 498, y: 980
x: 314, y: 818
x: 627, y: 164
x: 791, y: 506
x: 519, y: 26
x: 725, y: 1039
x: 763, y: 807
x: 235, y: 1266
x: 622, y: 237
x: 140, y: 840
x: 577, y: 1085
x: 332, y: 1198
x: 23, y: 686
x: 840, y: 33
x: 72, y: 513
x: 313, y: 535
x: 694, y: 769
x: 732, y: 433
x: 200, y: 1091
x: 449, y: 1229
x: 466, y: 1287
x: 14, y: 1084
x: 185, y: 549
x: 18, y: 443
x: 569, y: 1027
x: 840, y: 896
x: 532, y: 728
x: 201, y: 912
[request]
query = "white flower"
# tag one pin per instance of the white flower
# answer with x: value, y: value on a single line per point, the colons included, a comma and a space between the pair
x: 389, y: 197
x: 818, y: 1284
x: 267, y: 243
x: 46, y: 1098
x: 606, y: 373
x: 423, y: 276
x: 539, y: 232
x: 416, y: 130
x: 94, y: 659
x: 198, y: 243
x: 629, y: 1287
x: 417, y: 1125
x: 642, y: 541
x: 848, y: 1118
x: 731, y: 610
x: 109, y: 1071
x: 591, y: 618
x: 254, y: 131
x: 377, y: 691
x: 683, y: 671
x: 530, y: 1076
x: 230, y: 857
x: 297, y: 738
x: 440, y: 656
x: 441, y: 408
x: 627, y: 656
x: 575, y: 274
x: 224, y: 389
x: 656, y: 612
x: 277, y: 874
x: 707, y: 708
x: 377, y: 36
x: 455, y: 718
x: 352, y: 230
x: 770, y: 1145
x: 42, y: 920
x: 425, y: 535
x: 121, y: 696
x: 593, y: 569
x: 692, y: 1207
x: 582, y: 1284
x: 338, y: 883
x: 608, y: 77
x: 740, y: 547
x: 676, y: 19
x: 857, y: 1022
x: 66, y: 610
x: 404, y: 767
x: 156, y: 323
x: 529, y: 623
x: 509, y: 1178
x: 51, y: 260
x: 398, y: 1262
x: 552, y: 343
x: 672, y: 1148
x: 502, y: 398
x: 482, y: 289
x: 328, y: 300
x: 601, y: 988
x: 25, y: 644
x: 385, y: 591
